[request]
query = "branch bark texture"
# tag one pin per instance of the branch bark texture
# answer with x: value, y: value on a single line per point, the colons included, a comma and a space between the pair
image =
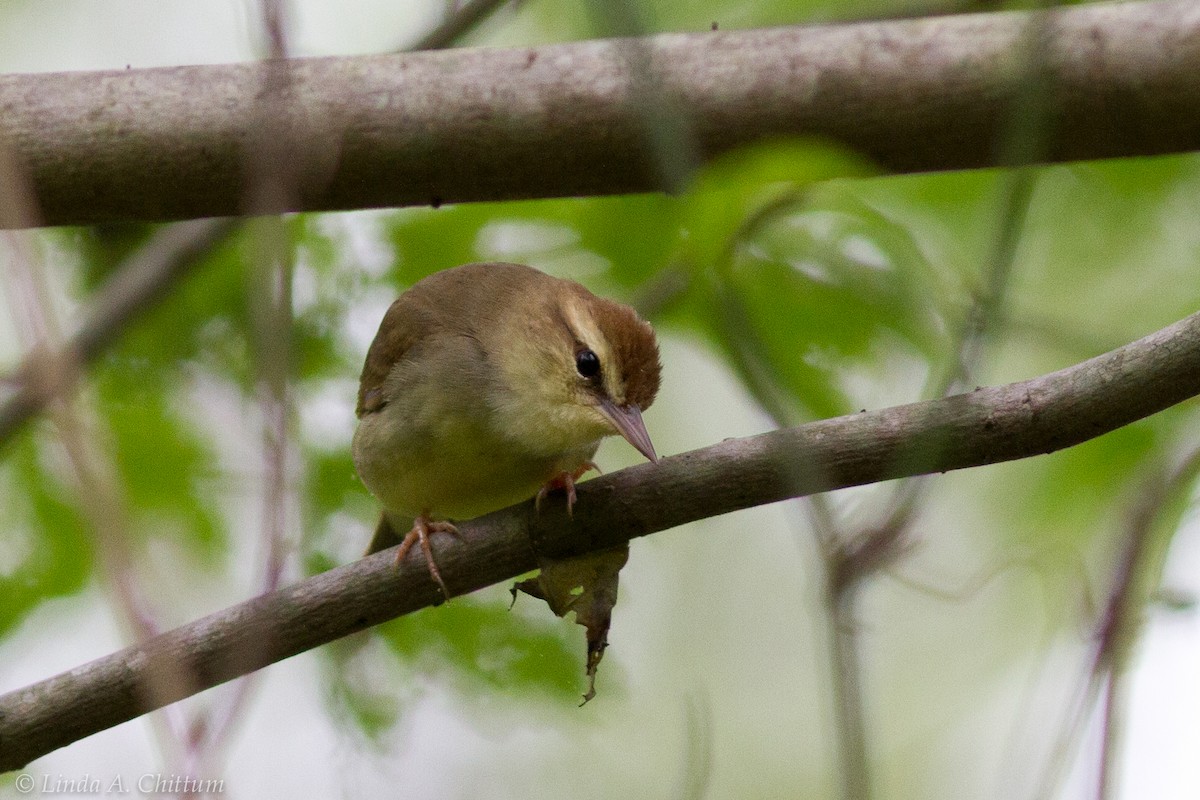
x: 988, y: 425
x: 573, y: 119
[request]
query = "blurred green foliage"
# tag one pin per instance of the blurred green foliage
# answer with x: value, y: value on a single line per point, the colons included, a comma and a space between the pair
x: 820, y: 284
x: 796, y: 266
x: 544, y: 20
x: 46, y: 550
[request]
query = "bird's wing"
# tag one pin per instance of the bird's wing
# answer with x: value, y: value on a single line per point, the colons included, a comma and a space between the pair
x: 455, y: 301
x: 403, y: 326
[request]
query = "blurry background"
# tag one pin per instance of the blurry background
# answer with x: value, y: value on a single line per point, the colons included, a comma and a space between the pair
x: 964, y: 663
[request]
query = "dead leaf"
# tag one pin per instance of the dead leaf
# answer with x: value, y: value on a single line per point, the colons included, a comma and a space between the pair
x: 586, y: 585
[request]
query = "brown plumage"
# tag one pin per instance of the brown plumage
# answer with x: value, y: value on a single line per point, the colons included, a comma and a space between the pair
x: 488, y: 381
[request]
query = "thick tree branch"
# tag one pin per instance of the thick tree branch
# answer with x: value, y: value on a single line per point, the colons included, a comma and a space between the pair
x: 494, y: 124
x: 983, y: 427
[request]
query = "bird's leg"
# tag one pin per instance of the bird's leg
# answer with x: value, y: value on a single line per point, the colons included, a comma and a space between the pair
x: 422, y: 527
x: 564, y: 480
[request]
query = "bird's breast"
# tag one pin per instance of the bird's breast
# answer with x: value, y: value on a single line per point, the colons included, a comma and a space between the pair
x: 453, y: 467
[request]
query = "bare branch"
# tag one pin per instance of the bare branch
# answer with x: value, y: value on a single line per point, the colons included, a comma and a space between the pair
x: 988, y: 425
x: 496, y: 124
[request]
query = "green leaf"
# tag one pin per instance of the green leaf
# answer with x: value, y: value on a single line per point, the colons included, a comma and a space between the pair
x: 800, y: 284
x: 632, y: 237
x: 1071, y: 494
x: 161, y: 459
x: 734, y: 190
x: 486, y: 647
x: 52, y: 555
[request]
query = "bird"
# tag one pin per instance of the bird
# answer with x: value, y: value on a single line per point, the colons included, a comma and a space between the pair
x: 491, y: 383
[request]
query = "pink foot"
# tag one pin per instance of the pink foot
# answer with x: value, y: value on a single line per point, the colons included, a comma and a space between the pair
x: 564, y: 480
x: 422, y: 527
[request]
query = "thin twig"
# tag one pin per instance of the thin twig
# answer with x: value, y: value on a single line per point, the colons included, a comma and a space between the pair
x: 457, y: 25
x: 98, y: 491
x: 271, y: 182
x: 877, y: 547
x: 1138, y: 572
x: 850, y: 558
x: 137, y: 285
x: 748, y: 356
x: 698, y: 757
x: 1120, y: 622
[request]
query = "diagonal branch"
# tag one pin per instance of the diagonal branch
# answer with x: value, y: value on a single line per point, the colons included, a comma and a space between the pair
x: 988, y: 425
x: 144, y: 279
x: 561, y: 120
x: 457, y: 25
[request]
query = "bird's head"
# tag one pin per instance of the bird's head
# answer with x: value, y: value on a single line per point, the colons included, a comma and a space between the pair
x: 582, y: 367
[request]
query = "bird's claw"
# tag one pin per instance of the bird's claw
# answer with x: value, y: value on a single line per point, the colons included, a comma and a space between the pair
x: 564, y: 480
x: 420, y: 533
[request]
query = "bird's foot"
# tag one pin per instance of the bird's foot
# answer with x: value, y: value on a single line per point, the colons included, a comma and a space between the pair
x: 422, y: 527
x: 564, y: 480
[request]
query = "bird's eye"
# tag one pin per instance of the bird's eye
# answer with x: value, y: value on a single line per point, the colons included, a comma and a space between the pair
x: 587, y: 363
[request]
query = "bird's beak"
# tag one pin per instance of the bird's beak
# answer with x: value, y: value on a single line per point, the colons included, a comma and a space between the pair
x: 628, y: 422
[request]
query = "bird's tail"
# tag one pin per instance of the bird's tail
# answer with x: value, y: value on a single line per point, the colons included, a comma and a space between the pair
x: 385, y: 535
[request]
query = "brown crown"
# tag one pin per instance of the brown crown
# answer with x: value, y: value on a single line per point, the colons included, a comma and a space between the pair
x: 634, y: 347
